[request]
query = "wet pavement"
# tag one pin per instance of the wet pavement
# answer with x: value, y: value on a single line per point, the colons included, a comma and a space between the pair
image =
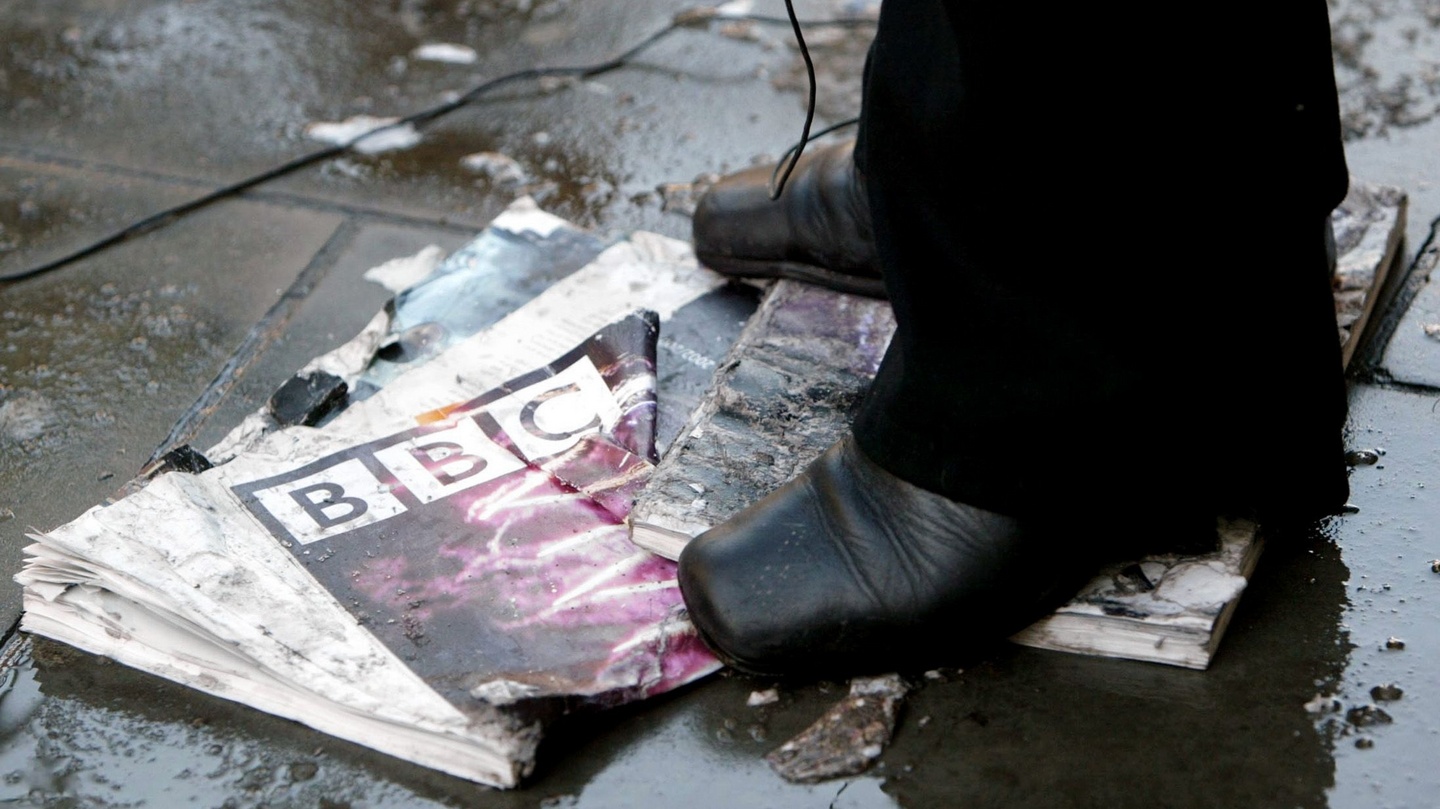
x: 109, y: 111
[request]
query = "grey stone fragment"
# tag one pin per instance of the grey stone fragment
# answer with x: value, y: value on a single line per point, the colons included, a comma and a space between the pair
x: 1386, y: 692
x: 1366, y: 716
x: 848, y: 738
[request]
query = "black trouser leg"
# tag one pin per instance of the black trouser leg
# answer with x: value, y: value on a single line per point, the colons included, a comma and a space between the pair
x: 1106, y: 292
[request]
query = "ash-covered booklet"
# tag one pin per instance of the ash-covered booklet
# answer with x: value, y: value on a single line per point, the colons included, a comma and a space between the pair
x: 440, y: 567
x: 794, y: 378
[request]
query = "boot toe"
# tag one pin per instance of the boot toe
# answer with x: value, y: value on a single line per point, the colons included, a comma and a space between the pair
x: 736, y: 220
x: 818, y: 231
x: 848, y: 569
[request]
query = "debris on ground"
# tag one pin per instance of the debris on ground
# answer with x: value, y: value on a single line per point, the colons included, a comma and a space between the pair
x: 1386, y: 692
x: 183, y: 458
x: 1395, y: 643
x: 446, y: 52
x: 1367, y: 715
x: 1362, y: 457
x: 743, y: 31
x: 307, y: 399
x: 1323, y: 704
x: 682, y: 198
x: 769, y: 696
x: 418, y: 544
x: 399, y: 274
x: 497, y: 168
x: 734, y: 8
x: 366, y: 134
x: 848, y: 738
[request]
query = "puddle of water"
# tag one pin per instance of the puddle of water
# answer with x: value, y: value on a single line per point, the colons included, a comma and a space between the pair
x: 1386, y: 736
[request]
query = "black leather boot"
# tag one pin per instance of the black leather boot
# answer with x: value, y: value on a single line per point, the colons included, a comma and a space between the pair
x: 849, y: 569
x: 817, y: 231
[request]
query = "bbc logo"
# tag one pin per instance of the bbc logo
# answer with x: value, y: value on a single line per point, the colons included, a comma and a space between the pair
x: 364, y: 485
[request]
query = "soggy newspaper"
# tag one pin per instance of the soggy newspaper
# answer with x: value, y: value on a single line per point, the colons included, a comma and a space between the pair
x: 438, y: 568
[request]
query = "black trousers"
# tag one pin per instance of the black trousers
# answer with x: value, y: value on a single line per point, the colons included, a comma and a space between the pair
x: 1102, y: 228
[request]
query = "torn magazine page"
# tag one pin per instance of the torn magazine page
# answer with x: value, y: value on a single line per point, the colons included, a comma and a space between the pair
x: 522, y: 253
x: 644, y: 271
x: 489, y: 513
x: 486, y: 546
x: 468, y: 579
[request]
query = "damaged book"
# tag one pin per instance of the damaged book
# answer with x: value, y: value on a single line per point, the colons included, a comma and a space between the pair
x: 795, y: 376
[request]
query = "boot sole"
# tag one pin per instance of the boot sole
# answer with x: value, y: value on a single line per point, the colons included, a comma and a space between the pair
x: 869, y: 286
x: 918, y: 653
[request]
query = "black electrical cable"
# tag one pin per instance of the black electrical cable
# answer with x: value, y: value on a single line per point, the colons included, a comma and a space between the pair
x: 685, y: 19
x: 796, y: 149
x: 782, y: 171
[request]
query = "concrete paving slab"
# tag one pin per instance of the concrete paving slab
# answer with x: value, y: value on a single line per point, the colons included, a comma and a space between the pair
x: 48, y: 210
x: 594, y: 153
x: 98, y: 359
x: 179, y: 67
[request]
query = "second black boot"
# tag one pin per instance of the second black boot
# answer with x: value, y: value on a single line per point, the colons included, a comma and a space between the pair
x: 817, y: 231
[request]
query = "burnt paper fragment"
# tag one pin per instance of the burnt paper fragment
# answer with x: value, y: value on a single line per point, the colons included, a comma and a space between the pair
x: 183, y: 458
x: 307, y: 399
x: 520, y: 255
